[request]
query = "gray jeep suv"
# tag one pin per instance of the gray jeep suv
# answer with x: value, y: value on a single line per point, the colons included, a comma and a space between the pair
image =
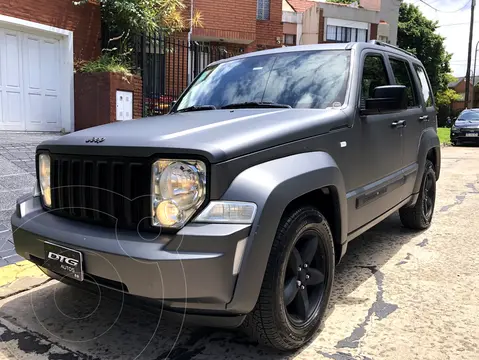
x: 236, y: 206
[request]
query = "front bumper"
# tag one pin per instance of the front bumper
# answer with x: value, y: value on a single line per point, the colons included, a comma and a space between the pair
x: 192, y: 269
x: 465, y: 135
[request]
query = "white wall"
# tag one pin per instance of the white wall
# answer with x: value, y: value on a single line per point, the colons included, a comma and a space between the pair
x: 390, y: 13
x: 348, y: 13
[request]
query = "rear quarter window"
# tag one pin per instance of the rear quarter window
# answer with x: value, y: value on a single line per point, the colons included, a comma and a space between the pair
x: 425, y: 87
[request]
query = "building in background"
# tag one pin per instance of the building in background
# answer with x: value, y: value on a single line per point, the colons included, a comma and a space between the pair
x: 242, y: 26
x: 313, y: 22
x: 459, y: 86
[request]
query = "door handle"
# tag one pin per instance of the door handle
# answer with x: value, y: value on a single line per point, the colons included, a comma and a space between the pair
x: 424, y: 118
x: 399, y: 124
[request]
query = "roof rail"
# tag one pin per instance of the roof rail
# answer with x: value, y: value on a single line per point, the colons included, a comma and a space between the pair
x: 382, y: 43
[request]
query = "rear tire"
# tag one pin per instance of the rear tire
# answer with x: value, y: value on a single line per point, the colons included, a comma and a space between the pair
x: 297, y: 282
x: 419, y: 216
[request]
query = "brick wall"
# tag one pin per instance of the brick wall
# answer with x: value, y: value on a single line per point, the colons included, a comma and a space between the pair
x: 95, y: 98
x: 321, y: 25
x: 268, y: 30
x: 461, y: 89
x: 227, y: 19
x: 374, y: 32
x: 83, y: 20
x: 137, y: 97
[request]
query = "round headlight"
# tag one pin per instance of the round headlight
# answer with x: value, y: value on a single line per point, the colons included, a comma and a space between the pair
x: 181, y: 182
x: 179, y: 188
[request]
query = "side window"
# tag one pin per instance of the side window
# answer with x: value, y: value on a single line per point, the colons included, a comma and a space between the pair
x: 374, y: 75
x: 425, y: 88
x: 403, y: 76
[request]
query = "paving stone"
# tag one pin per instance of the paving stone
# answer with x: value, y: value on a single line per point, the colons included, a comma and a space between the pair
x: 8, y: 168
x: 7, y: 200
x: 17, y: 177
x: 14, y: 258
x: 15, y: 182
x: 6, y: 214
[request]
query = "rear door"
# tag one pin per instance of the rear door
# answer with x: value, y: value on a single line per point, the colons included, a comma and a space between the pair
x: 413, y: 118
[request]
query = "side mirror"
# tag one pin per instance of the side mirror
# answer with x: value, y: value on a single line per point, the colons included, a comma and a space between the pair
x: 385, y: 99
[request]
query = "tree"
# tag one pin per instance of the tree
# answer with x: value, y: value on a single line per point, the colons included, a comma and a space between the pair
x: 417, y: 34
x: 139, y: 16
x: 446, y: 97
x: 126, y: 18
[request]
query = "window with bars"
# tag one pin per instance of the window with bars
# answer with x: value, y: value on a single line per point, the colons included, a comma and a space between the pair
x: 262, y: 9
x: 345, y: 34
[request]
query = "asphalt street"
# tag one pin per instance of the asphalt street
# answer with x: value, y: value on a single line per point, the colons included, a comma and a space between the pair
x: 398, y: 295
x: 17, y: 176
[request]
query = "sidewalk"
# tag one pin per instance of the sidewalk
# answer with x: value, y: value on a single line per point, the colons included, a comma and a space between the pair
x: 17, y: 161
x: 19, y: 277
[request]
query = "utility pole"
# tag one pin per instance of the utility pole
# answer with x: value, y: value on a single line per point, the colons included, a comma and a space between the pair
x: 468, y: 75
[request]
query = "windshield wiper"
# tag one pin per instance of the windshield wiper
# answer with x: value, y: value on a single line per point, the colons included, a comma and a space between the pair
x: 255, y: 104
x: 197, y: 108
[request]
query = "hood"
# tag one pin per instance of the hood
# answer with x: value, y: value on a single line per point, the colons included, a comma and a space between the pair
x: 217, y: 135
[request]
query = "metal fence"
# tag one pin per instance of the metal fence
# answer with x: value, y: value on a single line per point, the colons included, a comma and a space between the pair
x: 168, y: 65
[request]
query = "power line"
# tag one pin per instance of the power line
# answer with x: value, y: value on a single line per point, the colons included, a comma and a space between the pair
x: 462, y: 23
x: 447, y: 12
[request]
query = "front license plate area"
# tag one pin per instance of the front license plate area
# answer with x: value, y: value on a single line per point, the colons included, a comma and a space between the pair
x: 472, y: 134
x: 63, y: 261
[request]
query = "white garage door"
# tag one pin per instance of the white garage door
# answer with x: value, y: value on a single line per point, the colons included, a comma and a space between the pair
x: 29, y: 82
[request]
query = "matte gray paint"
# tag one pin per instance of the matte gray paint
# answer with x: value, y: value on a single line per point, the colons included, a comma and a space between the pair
x: 268, y: 156
x: 165, y: 267
x: 272, y: 186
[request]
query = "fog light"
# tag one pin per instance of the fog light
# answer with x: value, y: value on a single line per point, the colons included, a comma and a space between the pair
x: 168, y: 213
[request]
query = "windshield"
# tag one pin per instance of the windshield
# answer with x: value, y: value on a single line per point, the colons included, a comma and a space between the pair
x: 303, y: 79
x: 469, y: 115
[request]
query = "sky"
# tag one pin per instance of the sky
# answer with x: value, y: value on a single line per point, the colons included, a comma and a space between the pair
x: 454, y: 19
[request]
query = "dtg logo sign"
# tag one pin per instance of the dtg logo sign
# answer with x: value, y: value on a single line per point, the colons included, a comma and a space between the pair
x: 62, y: 259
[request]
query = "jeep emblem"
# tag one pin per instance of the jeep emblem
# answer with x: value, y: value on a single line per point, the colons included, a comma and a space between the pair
x: 95, y: 140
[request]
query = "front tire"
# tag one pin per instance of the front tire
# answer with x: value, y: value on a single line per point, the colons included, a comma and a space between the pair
x: 297, y: 283
x: 419, y: 216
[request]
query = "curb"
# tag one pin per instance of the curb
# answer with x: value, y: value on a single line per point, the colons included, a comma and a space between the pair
x: 19, y: 277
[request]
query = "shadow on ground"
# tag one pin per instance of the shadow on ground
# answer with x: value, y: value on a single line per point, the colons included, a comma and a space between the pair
x: 96, y: 327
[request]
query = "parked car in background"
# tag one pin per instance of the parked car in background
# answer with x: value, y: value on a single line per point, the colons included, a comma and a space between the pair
x: 264, y: 170
x: 466, y: 128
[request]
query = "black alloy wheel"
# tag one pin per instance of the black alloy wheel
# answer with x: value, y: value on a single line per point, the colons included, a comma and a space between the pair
x: 297, y: 282
x: 304, y: 280
x: 419, y: 216
x: 429, y: 196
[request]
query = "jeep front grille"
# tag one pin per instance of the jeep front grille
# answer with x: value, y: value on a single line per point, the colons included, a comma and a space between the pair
x: 101, y: 190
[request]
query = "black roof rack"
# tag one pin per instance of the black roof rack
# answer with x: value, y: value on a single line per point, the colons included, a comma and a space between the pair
x: 382, y: 43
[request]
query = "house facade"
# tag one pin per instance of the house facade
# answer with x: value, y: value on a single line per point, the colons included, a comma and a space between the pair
x: 314, y: 22
x: 232, y: 28
x: 459, y: 86
x: 246, y: 25
x: 39, y: 42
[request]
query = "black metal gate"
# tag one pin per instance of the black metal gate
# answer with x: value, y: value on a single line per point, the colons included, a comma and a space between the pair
x: 168, y: 65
